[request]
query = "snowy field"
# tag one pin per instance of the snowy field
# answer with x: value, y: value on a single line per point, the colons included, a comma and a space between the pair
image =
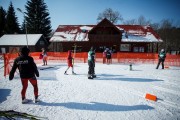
x: 116, y: 94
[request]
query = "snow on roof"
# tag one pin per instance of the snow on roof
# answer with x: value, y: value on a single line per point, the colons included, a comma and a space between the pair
x: 130, y: 33
x: 19, y: 39
x: 71, y: 33
x: 138, y: 33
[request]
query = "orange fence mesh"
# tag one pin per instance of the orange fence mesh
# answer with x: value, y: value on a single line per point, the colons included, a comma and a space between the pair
x: 125, y: 58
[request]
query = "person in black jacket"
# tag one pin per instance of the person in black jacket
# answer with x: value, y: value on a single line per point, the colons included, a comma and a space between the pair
x: 28, y: 70
x: 161, y: 56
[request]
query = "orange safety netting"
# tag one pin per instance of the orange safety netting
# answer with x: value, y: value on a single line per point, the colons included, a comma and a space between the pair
x: 150, y: 58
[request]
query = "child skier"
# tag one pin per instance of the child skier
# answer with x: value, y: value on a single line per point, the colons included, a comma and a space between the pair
x: 91, y: 63
x: 69, y: 61
x: 28, y: 70
x: 44, y: 54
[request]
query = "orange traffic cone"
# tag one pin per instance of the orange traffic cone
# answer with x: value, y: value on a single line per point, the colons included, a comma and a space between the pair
x: 151, y: 97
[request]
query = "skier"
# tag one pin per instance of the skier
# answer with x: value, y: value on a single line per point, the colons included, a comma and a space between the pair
x: 28, y: 70
x: 91, y: 63
x: 108, y: 56
x: 69, y: 61
x: 161, y: 56
x: 44, y: 54
x: 104, y: 56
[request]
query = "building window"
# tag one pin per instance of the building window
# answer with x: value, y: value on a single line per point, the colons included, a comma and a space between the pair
x: 141, y: 49
x: 138, y: 49
x: 3, y: 50
x: 41, y: 42
x: 125, y: 47
x: 135, y: 49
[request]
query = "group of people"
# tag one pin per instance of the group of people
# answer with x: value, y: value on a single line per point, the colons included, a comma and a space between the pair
x: 107, y: 56
x: 28, y: 69
x: 91, y: 63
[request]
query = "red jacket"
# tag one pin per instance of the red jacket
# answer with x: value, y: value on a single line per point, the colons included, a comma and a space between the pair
x: 69, y: 58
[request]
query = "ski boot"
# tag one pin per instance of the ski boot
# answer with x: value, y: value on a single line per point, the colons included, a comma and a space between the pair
x: 73, y: 73
x: 90, y: 76
x: 37, y: 100
x: 24, y: 101
x: 65, y: 73
x: 94, y: 76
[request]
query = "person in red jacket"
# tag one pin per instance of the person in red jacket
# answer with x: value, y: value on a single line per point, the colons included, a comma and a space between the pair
x: 28, y: 72
x: 70, y: 62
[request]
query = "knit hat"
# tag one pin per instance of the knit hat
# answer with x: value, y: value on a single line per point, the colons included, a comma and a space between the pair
x: 162, y: 50
x: 25, y: 51
x: 92, y: 48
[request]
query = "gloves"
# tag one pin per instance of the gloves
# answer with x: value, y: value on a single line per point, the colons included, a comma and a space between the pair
x: 37, y: 74
x: 11, y: 77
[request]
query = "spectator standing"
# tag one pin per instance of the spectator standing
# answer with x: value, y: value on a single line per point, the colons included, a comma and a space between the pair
x: 161, y: 56
x: 44, y: 54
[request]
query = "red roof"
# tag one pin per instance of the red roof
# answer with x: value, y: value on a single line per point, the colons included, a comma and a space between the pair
x: 80, y: 32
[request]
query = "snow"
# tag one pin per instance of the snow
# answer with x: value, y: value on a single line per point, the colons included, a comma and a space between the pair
x: 20, y: 39
x: 86, y: 28
x: 134, y: 38
x: 138, y: 36
x: 116, y: 94
x: 69, y: 36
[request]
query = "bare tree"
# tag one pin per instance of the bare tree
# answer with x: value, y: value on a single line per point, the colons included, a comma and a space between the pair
x: 130, y: 22
x: 111, y: 15
x: 165, y: 32
x: 142, y: 21
x: 155, y: 26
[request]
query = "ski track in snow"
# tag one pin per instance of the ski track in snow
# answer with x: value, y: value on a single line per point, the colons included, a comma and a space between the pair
x: 116, y: 93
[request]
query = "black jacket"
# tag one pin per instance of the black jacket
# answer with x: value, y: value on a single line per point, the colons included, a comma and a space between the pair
x: 27, y: 67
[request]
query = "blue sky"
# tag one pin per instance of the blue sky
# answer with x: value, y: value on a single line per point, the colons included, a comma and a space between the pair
x: 85, y: 12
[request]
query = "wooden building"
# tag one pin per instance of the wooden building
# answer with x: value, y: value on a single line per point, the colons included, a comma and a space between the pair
x: 11, y: 43
x: 120, y: 38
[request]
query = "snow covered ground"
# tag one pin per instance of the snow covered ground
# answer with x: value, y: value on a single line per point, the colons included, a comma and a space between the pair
x: 116, y: 94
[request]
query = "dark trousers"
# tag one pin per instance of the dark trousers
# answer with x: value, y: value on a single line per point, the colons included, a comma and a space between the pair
x: 159, y: 62
x: 91, y: 68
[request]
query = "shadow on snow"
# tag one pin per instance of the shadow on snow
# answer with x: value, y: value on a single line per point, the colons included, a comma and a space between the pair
x: 96, y: 106
x: 120, y: 78
x: 4, y: 93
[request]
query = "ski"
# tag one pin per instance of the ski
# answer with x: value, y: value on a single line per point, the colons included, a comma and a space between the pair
x: 46, y: 68
x: 28, y: 101
x: 70, y: 74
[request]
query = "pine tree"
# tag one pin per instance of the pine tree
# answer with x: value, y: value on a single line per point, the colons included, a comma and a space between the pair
x: 23, y: 28
x: 12, y: 25
x: 2, y: 20
x: 38, y: 20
